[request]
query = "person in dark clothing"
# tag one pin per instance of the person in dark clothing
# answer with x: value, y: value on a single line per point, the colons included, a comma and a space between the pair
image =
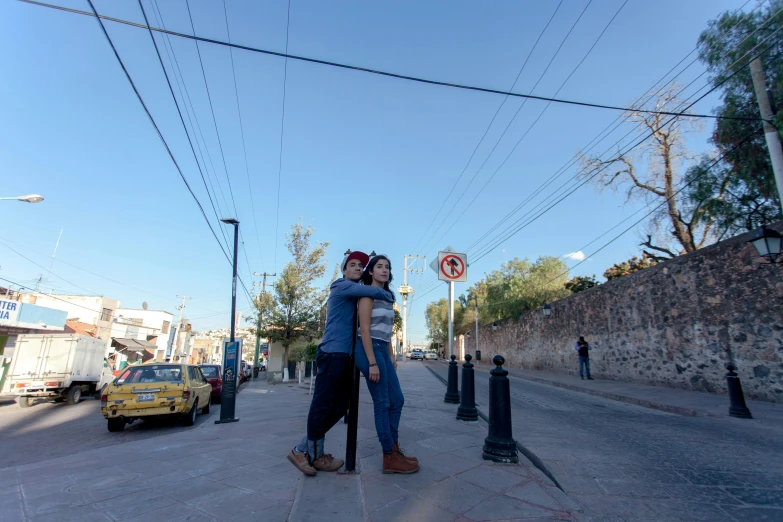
x: 582, y: 347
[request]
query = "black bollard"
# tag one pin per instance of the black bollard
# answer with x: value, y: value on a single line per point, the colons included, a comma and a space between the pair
x: 499, y: 446
x: 467, y: 406
x: 452, y: 390
x: 738, y: 407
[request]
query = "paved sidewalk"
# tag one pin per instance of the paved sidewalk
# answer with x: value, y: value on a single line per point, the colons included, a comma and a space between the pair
x: 683, y: 402
x: 239, y: 471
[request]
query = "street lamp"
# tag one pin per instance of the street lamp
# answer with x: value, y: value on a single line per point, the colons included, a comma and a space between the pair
x: 232, y: 221
x: 29, y: 198
x: 767, y: 243
x: 547, y: 310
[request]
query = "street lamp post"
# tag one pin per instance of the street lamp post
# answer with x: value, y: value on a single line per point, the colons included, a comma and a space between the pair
x: 232, y: 355
x: 29, y: 198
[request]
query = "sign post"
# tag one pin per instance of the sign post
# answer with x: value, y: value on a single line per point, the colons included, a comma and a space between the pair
x: 451, y: 268
x: 231, y: 367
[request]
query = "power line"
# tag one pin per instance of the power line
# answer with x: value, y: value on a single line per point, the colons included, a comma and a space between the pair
x: 187, y: 101
x: 155, y: 125
x: 513, y: 149
x: 623, y: 153
x: 390, y: 74
x: 162, y: 139
x: 212, y: 110
x: 492, y: 121
x: 282, y: 130
x: 658, y: 206
x: 244, y: 146
x: 182, y: 120
x: 44, y: 268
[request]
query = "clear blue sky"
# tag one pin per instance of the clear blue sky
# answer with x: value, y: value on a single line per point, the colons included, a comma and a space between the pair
x: 366, y: 160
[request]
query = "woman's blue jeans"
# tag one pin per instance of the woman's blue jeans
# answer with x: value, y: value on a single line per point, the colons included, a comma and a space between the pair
x: 386, y: 394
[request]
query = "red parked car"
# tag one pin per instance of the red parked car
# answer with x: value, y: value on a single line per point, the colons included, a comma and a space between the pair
x: 212, y: 375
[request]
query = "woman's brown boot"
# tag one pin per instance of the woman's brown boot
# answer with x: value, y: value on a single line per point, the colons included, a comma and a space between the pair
x: 396, y: 463
x: 396, y: 449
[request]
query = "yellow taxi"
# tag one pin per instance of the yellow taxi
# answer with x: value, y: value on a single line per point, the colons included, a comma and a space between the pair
x: 155, y: 389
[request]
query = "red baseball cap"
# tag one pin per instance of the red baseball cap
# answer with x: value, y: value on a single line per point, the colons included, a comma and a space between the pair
x: 356, y: 254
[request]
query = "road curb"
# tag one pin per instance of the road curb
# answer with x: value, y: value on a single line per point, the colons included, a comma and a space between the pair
x: 532, y: 457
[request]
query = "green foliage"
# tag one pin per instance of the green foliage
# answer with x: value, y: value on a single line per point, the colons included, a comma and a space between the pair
x: 296, y: 310
x: 739, y: 193
x: 580, y: 283
x: 311, y: 352
x: 629, y: 267
x: 397, y: 325
x: 298, y: 353
x: 517, y: 287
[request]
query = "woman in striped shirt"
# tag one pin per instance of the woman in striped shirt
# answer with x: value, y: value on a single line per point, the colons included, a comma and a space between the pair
x: 376, y: 362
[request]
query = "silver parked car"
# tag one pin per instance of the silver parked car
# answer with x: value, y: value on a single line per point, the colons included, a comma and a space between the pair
x: 417, y: 355
x: 431, y: 355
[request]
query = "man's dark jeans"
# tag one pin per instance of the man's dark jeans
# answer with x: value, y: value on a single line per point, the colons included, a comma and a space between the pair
x: 331, y: 398
x: 583, y: 361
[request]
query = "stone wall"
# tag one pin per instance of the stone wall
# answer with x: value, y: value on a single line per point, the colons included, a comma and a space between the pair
x: 675, y: 324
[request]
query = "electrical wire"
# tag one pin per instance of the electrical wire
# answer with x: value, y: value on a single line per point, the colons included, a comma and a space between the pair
x: 181, y: 118
x: 492, y: 121
x: 244, y: 146
x: 162, y: 139
x: 212, y: 111
x: 389, y: 74
x: 541, y: 114
x: 282, y: 130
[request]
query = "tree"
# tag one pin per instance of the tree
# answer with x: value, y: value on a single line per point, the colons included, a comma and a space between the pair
x: 437, y: 320
x: 397, y: 324
x: 739, y: 192
x: 688, y: 227
x: 580, y: 283
x: 296, y: 310
x: 629, y: 267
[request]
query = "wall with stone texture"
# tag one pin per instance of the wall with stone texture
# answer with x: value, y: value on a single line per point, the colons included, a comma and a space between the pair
x: 675, y: 324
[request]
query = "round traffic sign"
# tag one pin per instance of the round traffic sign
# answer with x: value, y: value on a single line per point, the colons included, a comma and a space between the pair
x: 452, y: 267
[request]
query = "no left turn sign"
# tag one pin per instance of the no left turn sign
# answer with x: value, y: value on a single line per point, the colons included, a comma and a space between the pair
x: 452, y: 267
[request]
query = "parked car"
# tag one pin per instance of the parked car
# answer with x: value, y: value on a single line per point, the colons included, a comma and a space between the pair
x: 417, y: 355
x: 431, y: 356
x: 153, y: 390
x: 214, y: 378
x: 247, y: 372
x: 408, y: 354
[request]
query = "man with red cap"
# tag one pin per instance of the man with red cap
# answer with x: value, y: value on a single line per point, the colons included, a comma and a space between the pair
x: 333, y: 383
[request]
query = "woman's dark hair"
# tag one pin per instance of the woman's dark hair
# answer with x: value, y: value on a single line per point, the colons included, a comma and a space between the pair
x: 367, y: 277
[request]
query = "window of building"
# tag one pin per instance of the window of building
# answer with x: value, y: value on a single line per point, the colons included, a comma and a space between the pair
x: 165, y: 328
x: 106, y: 314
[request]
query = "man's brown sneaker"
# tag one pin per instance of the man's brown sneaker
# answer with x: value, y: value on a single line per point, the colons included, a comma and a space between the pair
x: 396, y: 463
x: 302, y: 462
x: 396, y: 449
x: 327, y: 463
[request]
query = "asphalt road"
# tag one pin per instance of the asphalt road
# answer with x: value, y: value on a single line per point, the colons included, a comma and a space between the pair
x: 625, y: 461
x: 48, y: 430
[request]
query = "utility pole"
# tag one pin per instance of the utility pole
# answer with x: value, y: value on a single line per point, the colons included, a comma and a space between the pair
x: 177, y: 349
x: 406, y: 290
x: 258, y: 323
x: 477, y: 330
x: 770, y: 132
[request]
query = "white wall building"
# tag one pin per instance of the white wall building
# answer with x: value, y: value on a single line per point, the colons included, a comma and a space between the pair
x: 91, y: 309
x: 149, y: 325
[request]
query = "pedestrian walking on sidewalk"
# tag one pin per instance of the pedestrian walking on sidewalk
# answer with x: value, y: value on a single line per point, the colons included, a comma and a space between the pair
x: 377, y: 364
x: 333, y: 360
x: 583, y: 349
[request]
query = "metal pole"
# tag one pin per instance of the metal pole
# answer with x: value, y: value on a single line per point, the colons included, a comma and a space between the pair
x: 404, y: 320
x: 477, y: 332
x: 234, y: 285
x: 353, y: 408
x: 770, y: 132
x: 451, y: 318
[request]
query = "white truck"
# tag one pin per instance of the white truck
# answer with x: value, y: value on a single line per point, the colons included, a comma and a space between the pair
x: 57, y: 366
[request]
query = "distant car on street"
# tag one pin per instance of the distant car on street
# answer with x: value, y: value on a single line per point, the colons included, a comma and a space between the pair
x: 153, y: 390
x: 214, y: 378
x: 408, y: 354
x: 417, y: 355
x: 246, y: 372
x: 431, y: 356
